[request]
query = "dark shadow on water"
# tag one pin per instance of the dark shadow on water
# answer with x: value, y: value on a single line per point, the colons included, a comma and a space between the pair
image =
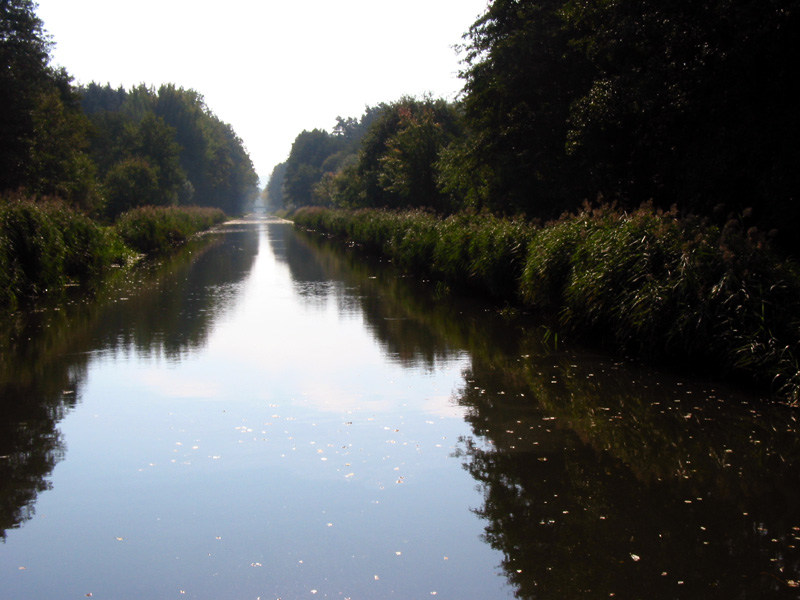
x: 600, y: 478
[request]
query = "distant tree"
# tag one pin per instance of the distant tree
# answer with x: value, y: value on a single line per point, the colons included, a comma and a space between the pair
x: 131, y: 183
x: 273, y: 191
x: 307, y: 164
x: 398, y: 162
x: 196, y: 157
x: 96, y: 98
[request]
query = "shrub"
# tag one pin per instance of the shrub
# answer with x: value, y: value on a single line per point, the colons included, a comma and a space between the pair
x: 152, y: 229
x: 44, y: 244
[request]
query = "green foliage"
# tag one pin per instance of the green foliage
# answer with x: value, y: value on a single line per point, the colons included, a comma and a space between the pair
x: 313, y: 173
x: 682, y: 103
x: 24, y: 76
x: 689, y: 102
x: 662, y: 287
x: 522, y: 75
x: 44, y: 245
x: 478, y: 252
x: 197, y: 159
x: 42, y: 131
x: 130, y: 183
x: 645, y: 281
x: 273, y: 191
x: 151, y: 229
x: 397, y: 164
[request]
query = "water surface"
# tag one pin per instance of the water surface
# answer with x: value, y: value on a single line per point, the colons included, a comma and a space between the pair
x: 266, y: 416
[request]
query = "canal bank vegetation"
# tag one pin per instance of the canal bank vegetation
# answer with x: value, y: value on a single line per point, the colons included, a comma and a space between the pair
x: 47, y: 245
x: 152, y: 229
x: 646, y: 282
x: 91, y: 174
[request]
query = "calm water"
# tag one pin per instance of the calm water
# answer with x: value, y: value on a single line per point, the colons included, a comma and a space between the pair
x: 268, y: 416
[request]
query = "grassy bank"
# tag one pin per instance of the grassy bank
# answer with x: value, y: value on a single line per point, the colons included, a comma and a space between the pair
x: 646, y: 282
x: 156, y: 228
x: 44, y: 245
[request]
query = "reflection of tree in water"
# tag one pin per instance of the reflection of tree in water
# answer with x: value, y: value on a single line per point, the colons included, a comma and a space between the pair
x: 594, y: 491
x: 44, y: 355
x: 410, y: 326
x: 598, y: 478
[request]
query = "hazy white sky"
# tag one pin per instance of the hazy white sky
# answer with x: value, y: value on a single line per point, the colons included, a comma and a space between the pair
x: 270, y: 68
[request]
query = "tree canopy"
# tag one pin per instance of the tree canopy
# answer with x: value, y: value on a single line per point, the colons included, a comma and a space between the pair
x: 105, y: 150
x: 679, y: 103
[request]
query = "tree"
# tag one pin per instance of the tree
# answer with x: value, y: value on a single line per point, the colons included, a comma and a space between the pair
x: 692, y: 103
x: 131, y: 183
x: 304, y: 167
x: 58, y: 163
x: 273, y: 191
x: 24, y: 77
x: 521, y: 76
x: 196, y: 157
x: 398, y: 162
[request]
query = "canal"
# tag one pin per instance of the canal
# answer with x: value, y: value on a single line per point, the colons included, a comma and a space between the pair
x: 267, y: 415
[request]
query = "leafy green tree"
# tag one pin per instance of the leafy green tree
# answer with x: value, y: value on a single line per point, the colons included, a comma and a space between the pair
x: 197, y: 158
x: 691, y: 103
x: 131, y: 183
x: 24, y: 76
x: 521, y: 75
x: 96, y: 98
x: 273, y: 191
x: 43, y: 135
x: 408, y: 168
x: 304, y: 167
x: 58, y: 163
x: 155, y: 141
x: 398, y: 161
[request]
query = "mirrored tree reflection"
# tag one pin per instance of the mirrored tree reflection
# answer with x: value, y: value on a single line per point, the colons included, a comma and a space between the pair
x: 599, y: 481
x: 599, y: 478
x: 157, y: 311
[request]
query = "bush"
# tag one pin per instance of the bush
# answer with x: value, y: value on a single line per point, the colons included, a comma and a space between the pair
x: 152, y: 229
x: 44, y: 244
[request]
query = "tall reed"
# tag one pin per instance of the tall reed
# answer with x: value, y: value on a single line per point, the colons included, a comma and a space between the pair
x: 156, y: 228
x: 44, y: 244
x: 645, y: 282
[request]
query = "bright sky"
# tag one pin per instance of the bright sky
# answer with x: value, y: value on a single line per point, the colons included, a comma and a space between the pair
x: 270, y: 68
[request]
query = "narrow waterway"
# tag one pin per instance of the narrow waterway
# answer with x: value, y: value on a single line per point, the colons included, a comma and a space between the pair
x: 271, y: 416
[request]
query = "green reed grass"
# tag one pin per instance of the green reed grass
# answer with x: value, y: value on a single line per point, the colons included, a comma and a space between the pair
x: 152, y: 229
x: 45, y: 244
x: 645, y: 282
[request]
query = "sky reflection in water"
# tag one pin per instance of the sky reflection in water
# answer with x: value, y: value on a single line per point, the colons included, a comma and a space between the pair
x: 283, y: 454
x: 272, y: 417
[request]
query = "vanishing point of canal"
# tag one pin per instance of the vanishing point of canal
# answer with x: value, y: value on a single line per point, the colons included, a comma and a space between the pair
x: 267, y: 415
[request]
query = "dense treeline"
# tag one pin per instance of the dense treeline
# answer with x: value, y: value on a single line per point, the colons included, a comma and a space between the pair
x: 165, y: 147
x: 105, y: 150
x: 73, y: 159
x: 679, y: 103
